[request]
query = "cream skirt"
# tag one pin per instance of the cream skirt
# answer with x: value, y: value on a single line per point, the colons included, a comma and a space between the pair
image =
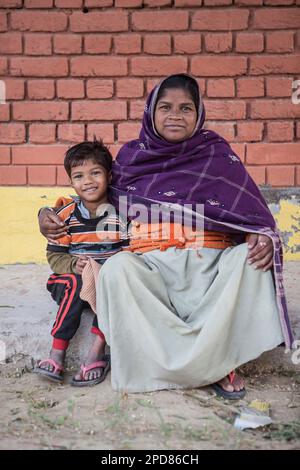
x: 184, y: 318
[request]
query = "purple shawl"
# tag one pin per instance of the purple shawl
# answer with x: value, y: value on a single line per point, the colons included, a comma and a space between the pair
x: 200, y: 170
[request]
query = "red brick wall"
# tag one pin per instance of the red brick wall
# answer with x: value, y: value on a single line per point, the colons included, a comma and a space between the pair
x: 71, y: 74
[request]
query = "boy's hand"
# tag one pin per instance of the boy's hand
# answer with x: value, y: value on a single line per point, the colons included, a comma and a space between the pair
x: 51, y: 226
x: 81, y: 262
x: 260, y: 251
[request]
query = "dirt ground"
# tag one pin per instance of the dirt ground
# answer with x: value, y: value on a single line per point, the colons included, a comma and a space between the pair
x: 36, y: 414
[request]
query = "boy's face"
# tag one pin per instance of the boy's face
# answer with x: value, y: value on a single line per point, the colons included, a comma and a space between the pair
x: 90, y: 181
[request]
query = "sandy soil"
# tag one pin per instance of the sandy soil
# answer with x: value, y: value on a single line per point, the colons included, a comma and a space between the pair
x: 36, y: 414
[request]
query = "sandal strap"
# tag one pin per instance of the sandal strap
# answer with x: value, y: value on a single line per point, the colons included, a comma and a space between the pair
x: 57, y: 367
x: 94, y: 365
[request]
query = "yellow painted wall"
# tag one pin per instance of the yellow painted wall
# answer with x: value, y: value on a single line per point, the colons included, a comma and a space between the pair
x: 21, y: 241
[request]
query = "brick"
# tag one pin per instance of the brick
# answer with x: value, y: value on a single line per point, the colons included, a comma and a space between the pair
x: 157, y: 3
x: 275, y: 64
x: 216, y: 3
x: 249, y: 42
x: 128, y: 3
x: 62, y: 178
x: 257, y: 173
x: 40, y: 111
x: 160, y: 20
x: 10, y: 175
x: 250, y: 87
x: 97, y: 43
x: 101, y: 131
x: 70, y: 132
x: 42, y: 133
x: 95, y: 21
x: 38, y: 155
x: 4, y: 112
x: 67, y: 44
x: 278, y: 2
x: 39, y: 21
x: 250, y: 131
x: 151, y: 83
x: 38, y: 44
x: 298, y: 175
x: 218, y: 42
x: 97, y: 88
x: 4, y: 155
x: 12, y: 133
x: 130, y: 88
x: 202, y: 86
x: 276, y: 18
x: 3, y: 22
x: 70, y: 88
x: 281, y: 175
x: 128, y: 131
x: 225, y: 109
x: 298, y: 130
x: 69, y: 3
x: 222, y: 20
x: 11, y: 3
x: 268, y: 154
x: 99, y: 110
x: 223, y: 87
x: 273, y: 109
x: 188, y: 3
x: 11, y: 43
x: 39, y: 66
x: 156, y: 66
x: 40, y: 89
x: 187, y: 43
x: 279, y: 86
x: 39, y: 175
x: 3, y: 65
x: 99, y: 66
x: 114, y: 150
x: 137, y: 109
x: 14, y: 89
x: 157, y: 44
x: 211, y: 66
x: 128, y: 43
x: 280, y: 41
x: 280, y: 131
x: 224, y: 129
x: 240, y: 150
x: 38, y: 3
x: 248, y: 2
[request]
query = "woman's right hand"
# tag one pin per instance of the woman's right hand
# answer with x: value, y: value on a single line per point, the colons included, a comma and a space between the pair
x: 51, y: 225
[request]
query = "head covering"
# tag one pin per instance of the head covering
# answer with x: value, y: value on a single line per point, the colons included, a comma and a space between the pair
x: 202, y: 169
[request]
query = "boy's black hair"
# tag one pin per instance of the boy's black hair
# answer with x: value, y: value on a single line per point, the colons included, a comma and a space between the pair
x: 94, y: 150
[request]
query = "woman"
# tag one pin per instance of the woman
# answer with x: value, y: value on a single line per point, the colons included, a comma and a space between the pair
x: 188, y: 311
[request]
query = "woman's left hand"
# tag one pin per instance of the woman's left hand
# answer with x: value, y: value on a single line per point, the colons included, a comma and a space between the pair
x: 260, y: 251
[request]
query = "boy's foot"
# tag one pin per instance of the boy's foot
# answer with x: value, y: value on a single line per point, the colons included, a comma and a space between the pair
x: 53, y: 367
x: 91, y: 372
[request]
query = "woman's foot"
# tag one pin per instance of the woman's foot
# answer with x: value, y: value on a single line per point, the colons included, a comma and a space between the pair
x: 53, y: 367
x: 232, y: 387
x: 95, y: 354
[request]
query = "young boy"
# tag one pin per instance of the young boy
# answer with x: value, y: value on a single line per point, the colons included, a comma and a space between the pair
x: 95, y: 231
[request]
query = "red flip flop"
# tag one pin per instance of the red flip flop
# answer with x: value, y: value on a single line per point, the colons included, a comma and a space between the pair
x: 104, y: 364
x: 56, y: 375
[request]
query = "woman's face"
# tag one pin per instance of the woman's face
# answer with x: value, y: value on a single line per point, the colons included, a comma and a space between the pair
x: 175, y: 115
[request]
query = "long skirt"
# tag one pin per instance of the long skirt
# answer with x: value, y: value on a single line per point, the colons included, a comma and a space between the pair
x: 184, y: 318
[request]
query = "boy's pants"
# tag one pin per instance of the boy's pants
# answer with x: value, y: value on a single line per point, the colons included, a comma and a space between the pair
x: 65, y: 290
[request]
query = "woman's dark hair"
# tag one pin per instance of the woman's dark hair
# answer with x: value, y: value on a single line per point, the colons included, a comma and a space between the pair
x: 185, y: 83
x: 96, y: 151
